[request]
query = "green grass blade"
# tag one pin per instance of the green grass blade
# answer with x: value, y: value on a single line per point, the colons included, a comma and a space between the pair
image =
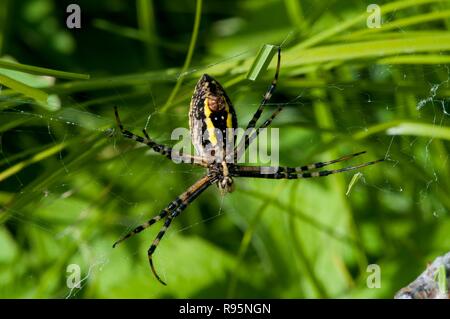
x: 345, y: 25
x: 367, y: 49
x: 135, y: 34
x: 441, y: 279
x: 356, y: 177
x: 42, y: 71
x: 420, y: 129
x: 402, y: 23
x: 295, y: 13
x: 405, y: 127
x: 36, y: 158
x: 261, y: 62
x: 146, y: 21
x: 416, y: 59
x: 187, y: 62
x: 118, y: 81
x: 4, y: 8
x: 126, y: 32
x: 50, y: 102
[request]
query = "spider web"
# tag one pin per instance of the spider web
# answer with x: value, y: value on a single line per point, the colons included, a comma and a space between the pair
x: 100, y: 258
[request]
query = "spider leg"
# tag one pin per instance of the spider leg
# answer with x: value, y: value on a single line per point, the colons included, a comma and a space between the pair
x: 184, y: 157
x: 267, y: 95
x: 186, y: 198
x: 173, y: 205
x: 271, y: 117
x: 295, y: 172
x: 159, y: 148
x: 171, y: 211
x: 243, y: 145
x: 155, y: 243
x: 300, y: 169
x: 179, y: 201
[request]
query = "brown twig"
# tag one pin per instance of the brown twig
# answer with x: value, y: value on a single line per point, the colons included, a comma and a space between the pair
x: 426, y: 285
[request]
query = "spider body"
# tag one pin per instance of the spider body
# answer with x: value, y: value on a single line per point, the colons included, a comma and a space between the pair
x: 212, y: 118
x: 212, y: 121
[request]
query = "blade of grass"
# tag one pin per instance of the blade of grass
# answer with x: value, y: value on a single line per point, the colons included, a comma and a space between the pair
x: 356, y: 177
x: 441, y: 278
x: 4, y: 9
x: 405, y: 127
x: 135, y: 34
x: 305, y: 260
x: 42, y: 71
x: 187, y: 62
x: 115, y: 81
x: 261, y: 62
x: 126, y: 32
x: 401, y: 23
x: 13, y: 123
x: 26, y: 90
x: 36, y: 158
x: 50, y: 102
x: 366, y: 49
x: 390, y: 35
x: 24, y: 154
x: 387, y: 8
x: 13, y: 102
x: 146, y: 22
x: 416, y: 59
x: 420, y: 129
x: 245, y: 243
x: 299, y: 61
x: 33, y: 190
x: 295, y: 13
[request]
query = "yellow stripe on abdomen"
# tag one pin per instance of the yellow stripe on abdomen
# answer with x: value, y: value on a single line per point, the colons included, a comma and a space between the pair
x: 229, y: 115
x: 209, y: 124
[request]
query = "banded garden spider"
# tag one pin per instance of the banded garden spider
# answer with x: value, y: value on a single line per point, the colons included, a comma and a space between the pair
x: 211, y: 116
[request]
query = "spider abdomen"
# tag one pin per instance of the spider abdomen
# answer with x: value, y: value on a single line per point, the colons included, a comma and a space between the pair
x: 212, y: 119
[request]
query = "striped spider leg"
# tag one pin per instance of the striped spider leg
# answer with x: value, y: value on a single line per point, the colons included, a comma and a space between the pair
x: 282, y: 172
x: 159, y: 148
x: 244, y: 144
x: 169, y: 213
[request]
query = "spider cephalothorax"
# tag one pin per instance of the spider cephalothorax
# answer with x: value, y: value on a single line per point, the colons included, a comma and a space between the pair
x: 212, y: 120
x: 221, y: 171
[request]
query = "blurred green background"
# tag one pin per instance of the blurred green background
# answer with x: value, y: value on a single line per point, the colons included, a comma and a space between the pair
x: 70, y: 185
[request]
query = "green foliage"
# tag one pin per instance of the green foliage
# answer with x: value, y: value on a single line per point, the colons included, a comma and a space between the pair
x: 70, y: 185
x: 261, y: 62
